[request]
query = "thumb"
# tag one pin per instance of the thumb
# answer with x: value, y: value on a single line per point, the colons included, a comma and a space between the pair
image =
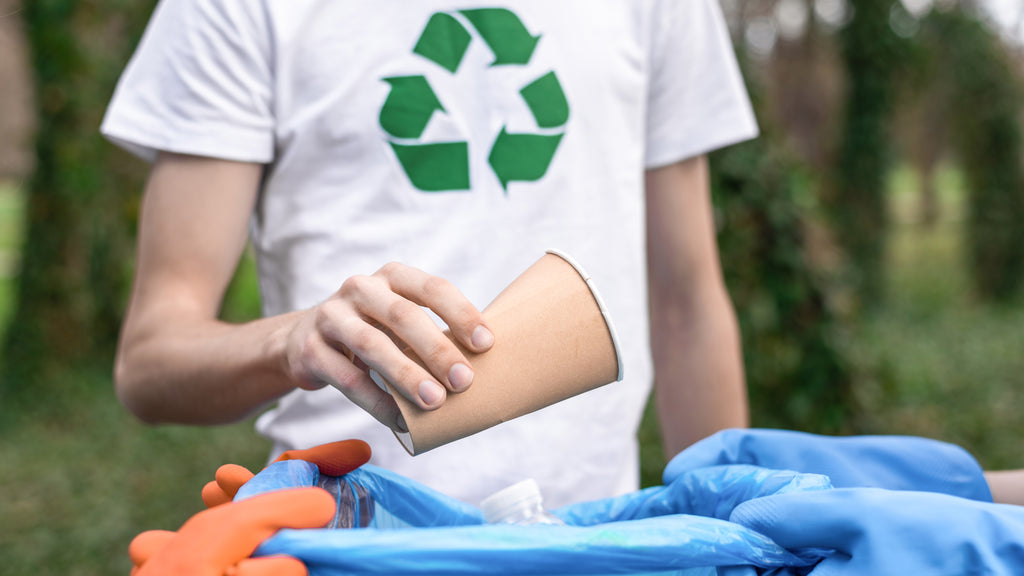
x: 227, y: 480
x: 832, y: 519
x: 214, y: 495
x: 146, y: 544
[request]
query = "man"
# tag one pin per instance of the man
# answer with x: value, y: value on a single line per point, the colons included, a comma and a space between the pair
x: 396, y: 161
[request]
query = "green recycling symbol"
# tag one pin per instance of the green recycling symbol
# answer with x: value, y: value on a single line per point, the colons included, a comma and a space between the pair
x: 444, y: 166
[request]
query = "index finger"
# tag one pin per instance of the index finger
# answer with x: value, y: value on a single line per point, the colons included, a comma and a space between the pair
x: 464, y: 320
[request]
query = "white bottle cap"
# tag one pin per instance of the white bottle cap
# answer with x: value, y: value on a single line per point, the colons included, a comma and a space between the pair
x: 525, y: 494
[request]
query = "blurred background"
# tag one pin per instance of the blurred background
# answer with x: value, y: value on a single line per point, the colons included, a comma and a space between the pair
x: 872, y: 239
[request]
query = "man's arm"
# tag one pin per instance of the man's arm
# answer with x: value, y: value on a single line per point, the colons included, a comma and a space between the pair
x: 177, y: 362
x: 1007, y: 486
x: 699, y: 381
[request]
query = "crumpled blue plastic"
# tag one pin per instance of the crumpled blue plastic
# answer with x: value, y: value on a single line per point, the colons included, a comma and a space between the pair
x: 865, y: 461
x: 679, y: 528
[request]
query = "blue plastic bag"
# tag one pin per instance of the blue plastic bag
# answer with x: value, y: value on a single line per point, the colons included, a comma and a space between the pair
x: 402, y: 527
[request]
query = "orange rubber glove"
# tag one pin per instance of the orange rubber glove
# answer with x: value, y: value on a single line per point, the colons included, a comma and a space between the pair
x: 227, y: 480
x: 334, y: 459
x: 219, y: 541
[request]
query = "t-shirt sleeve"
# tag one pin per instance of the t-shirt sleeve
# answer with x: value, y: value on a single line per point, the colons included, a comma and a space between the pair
x: 697, y: 101
x: 199, y: 83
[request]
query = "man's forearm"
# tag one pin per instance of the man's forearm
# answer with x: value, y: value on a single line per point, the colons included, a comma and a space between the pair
x: 700, y: 386
x: 203, y: 372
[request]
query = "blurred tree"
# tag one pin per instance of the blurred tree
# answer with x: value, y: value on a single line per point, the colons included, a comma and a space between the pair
x: 797, y: 371
x: 922, y: 118
x: 986, y: 103
x: 803, y: 93
x: 871, y: 53
x: 16, y: 96
x: 81, y: 198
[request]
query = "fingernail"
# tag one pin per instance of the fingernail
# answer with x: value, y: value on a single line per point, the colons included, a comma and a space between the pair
x: 482, y: 338
x: 431, y: 392
x: 460, y: 377
x: 400, y: 423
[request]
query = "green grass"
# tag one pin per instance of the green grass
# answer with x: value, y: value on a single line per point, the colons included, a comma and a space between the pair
x: 82, y: 478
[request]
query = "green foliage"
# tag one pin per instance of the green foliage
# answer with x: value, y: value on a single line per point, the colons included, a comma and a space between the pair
x: 796, y: 372
x: 986, y: 98
x: 871, y: 54
x: 652, y: 453
x: 939, y: 362
x: 82, y: 196
x: 242, y: 300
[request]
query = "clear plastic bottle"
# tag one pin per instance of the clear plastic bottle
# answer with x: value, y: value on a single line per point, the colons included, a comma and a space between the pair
x: 355, y: 509
x: 520, y: 503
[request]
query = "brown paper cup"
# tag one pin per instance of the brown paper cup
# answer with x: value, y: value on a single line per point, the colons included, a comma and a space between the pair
x: 552, y: 340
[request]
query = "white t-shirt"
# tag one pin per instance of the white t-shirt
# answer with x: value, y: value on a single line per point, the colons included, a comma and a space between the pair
x: 458, y: 138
